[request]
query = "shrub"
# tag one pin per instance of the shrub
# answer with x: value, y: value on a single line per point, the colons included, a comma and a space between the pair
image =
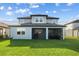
x: 1, y: 36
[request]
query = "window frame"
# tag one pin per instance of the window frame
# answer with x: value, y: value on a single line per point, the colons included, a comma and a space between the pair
x: 18, y: 32
x: 21, y: 32
x: 41, y: 20
x: 36, y: 20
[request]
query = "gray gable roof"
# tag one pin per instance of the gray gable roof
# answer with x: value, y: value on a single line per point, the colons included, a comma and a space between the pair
x: 48, y: 17
x: 3, y: 25
x: 75, y: 21
x: 76, y: 28
x: 37, y: 25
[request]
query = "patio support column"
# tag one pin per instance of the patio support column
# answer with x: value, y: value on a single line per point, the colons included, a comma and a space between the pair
x: 46, y: 33
x: 3, y: 33
x: 78, y: 33
x: 63, y: 33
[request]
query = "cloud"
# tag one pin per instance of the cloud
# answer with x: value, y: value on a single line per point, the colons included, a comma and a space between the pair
x: 16, y: 7
x: 22, y: 11
x: 42, y: 4
x: 72, y: 18
x: 65, y: 9
x: 57, y: 4
x: 9, y: 13
x: 18, y: 3
x: 77, y: 15
x: 54, y: 11
x: 69, y: 4
x: 1, y: 7
x: 30, y: 12
x: 9, y: 21
x: 9, y: 8
x: 46, y: 11
x: 34, y: 5
x: 27, y: 9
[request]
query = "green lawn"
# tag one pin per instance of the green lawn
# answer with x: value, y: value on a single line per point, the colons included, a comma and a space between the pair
x: 39, y: 48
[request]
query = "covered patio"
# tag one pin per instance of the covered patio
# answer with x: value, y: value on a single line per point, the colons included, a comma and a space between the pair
x: 47, y: 33
x: 55, y: 33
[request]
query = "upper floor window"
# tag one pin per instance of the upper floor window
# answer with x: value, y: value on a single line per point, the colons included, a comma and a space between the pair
x: 40, y: 19
x: 36, y: 19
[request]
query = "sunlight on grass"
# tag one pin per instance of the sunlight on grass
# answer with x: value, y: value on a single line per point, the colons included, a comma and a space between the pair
x: 71, y: 38
x: 39, y: 48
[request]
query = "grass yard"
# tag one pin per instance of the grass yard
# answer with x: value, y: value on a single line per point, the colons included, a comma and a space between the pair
x: 39, y: 48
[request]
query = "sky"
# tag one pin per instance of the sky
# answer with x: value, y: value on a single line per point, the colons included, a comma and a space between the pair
x: 65, y: 11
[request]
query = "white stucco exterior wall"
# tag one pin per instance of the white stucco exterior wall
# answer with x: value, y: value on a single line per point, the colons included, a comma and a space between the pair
x: 69, y: 26
x: 69, y: 30
x: 72, y: 26
x: 75, y: 25
x: 27, y: 35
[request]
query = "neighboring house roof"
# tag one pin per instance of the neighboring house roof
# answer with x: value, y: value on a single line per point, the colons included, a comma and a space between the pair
x: 38, y: 15
x: 76, y: 28
x: 75, y: 21
x: 38, y: 25
x: 3, y: 25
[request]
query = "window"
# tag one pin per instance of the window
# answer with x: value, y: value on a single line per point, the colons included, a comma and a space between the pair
x: 18, y: 33
x: 36, y: 19
x: 21, y: 33
x: 40, y: 20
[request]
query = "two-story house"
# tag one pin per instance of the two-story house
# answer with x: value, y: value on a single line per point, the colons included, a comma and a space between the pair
x: 37, y: 26
x: 72, y: 28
